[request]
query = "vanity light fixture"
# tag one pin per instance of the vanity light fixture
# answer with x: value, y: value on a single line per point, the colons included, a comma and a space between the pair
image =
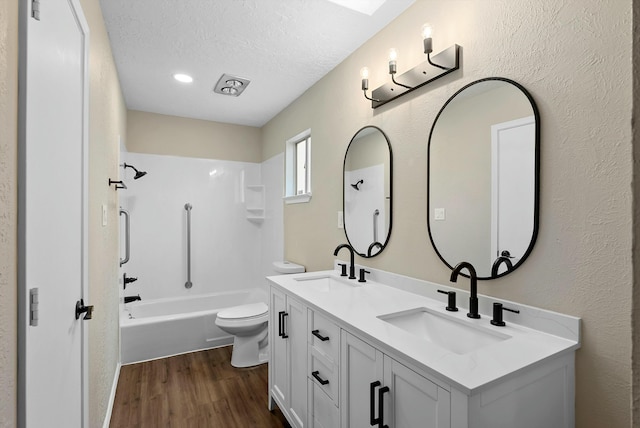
x: 440, y: 65
x: 230, y: 85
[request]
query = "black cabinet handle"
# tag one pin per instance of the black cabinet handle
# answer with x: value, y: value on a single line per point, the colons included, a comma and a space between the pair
x: 316, y: 375
x: 284, y: 325
x: 372, y: 414
x: 372, y: 403
x: 281, y: 324
x: 317, y: 334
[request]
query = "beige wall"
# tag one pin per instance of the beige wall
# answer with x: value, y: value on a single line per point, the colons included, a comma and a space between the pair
x: 8, y: 207
x: 106, y: 122
x: 576, y: 63
x: 636, y: 212
x: 179, y: 136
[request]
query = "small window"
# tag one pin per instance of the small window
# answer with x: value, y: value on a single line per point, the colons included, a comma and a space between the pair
x: 298, y: 168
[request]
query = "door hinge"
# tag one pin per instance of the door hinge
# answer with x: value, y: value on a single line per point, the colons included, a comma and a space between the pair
x: 35, y: 9
x: 33, y: 307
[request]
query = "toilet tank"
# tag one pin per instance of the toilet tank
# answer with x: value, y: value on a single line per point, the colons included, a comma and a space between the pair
x: 286, y: 267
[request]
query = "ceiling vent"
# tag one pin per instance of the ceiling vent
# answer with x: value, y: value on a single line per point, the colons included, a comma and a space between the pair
x: 231, y: 85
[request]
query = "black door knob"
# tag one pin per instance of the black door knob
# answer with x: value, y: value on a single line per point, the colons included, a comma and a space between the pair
x: 82, y: 309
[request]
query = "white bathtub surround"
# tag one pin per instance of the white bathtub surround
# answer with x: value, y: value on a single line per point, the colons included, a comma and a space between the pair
x: 361, y: 204
x: 160, y: 328
x: 529, y: 366
x: 226, y: 251
x: 273, y: 225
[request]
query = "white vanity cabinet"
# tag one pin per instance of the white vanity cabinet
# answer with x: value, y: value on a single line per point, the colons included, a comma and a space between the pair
x: 379, y: 391
x: 335, y: 358
x: 288, y: 362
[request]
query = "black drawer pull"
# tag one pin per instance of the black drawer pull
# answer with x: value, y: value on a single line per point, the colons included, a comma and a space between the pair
x: 317, y: 334
x: 318, y: 378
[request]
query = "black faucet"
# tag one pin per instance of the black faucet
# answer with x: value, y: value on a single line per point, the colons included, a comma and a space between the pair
x: 498, y: 262
x: 473, y: 299
x: 352, y: 266
x: 129, y: 299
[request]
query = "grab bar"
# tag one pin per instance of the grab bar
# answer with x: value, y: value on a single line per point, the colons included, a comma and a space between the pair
x: 376, y: 213
x: 127, y: 236
x: 188, y: 207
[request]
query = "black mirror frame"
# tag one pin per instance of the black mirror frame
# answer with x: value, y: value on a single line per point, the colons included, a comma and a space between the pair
x: 344, y: 162
x: 536, y: 213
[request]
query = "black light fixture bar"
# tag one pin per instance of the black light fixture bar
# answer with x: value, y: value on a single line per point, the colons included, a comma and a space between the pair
x: 432, y: 69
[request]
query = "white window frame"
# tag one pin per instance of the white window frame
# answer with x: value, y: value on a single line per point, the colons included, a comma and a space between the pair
x: 290, y: 196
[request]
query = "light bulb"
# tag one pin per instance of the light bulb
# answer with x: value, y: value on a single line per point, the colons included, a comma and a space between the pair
x: 426, y: 31
x: 426, y: 39
x: 364, y: 73
x: 393, y: 55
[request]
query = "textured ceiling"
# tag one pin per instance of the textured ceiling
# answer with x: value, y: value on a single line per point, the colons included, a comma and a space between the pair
x: 282, y: 46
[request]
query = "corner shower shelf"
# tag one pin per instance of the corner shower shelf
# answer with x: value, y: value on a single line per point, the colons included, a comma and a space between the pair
x: 254, y: 202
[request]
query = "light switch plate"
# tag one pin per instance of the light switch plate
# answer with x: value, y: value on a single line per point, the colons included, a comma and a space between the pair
x: 439, y: 214
x: 104, y: 215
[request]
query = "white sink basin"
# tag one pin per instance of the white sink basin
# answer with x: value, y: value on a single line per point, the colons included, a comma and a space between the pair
x: 327, y: 283
x: 444, y: 331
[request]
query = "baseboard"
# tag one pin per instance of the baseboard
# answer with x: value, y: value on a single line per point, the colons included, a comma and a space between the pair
x: 112, y: 397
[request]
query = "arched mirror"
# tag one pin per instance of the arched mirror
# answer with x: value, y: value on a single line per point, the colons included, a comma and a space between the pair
x: 483, y: 177
x: 366, y: 193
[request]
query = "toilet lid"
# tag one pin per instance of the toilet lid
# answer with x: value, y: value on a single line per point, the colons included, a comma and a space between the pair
x: 244, y: 311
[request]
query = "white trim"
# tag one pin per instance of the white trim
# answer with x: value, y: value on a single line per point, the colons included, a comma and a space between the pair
x: 112, y: 397
x: 297, y: 199
x: 84, y: 25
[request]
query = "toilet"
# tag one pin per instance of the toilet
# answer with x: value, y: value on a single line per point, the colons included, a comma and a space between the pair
x: 249, y: 326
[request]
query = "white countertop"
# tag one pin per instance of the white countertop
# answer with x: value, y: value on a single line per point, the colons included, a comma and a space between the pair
x: 356, y: 308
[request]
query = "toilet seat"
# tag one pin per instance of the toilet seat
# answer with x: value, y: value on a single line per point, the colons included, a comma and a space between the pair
x: 244, y: 312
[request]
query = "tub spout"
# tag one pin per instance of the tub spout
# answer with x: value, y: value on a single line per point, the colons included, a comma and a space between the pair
x: 129, y: 299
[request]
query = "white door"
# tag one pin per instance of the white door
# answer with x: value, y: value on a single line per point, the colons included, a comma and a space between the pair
x: 296, y: 329
x: 278, y: 362
x: 53, y: 238
x: 413, y: 401
x: 513, y: 187
x: 361, y: 365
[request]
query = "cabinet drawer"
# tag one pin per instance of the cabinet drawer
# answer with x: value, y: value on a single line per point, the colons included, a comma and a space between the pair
x: 324, y: 335
x: 324, y: 373
x: 323, y: 413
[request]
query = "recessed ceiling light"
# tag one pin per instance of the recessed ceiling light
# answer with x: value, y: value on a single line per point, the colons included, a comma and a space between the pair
x: 184, y: 78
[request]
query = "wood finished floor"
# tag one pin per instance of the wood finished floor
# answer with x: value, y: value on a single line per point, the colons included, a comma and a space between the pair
x: 200, y: 389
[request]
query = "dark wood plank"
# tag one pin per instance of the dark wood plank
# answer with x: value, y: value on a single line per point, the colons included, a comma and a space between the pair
x: 200, y: 389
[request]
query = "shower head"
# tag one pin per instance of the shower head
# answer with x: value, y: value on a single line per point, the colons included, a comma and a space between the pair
x: 138, y: 173
x: 357, y: 185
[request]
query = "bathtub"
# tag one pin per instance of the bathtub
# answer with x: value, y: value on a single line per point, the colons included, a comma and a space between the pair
x: 164, y: 327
